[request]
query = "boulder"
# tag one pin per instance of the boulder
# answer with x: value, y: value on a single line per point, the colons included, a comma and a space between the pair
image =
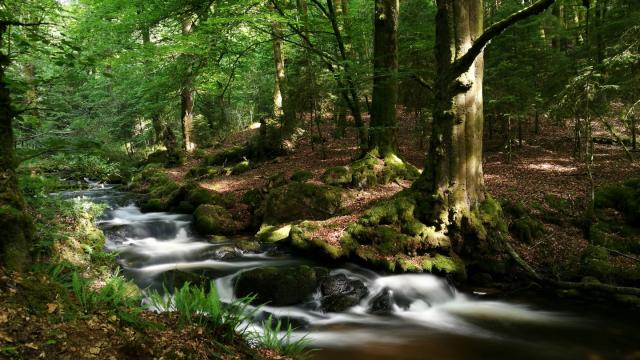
x: 279, y: 286
x: 337, y: 176
x: 382, y: 303
x: 301, y: 201
x: 215, y: 220
x: 339, y: 293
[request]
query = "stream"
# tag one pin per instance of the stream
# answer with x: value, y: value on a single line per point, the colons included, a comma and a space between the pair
x: 429, y: 318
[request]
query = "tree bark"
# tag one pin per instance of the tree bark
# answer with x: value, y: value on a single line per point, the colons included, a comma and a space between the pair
x: 186, y: 95
x: 453, y: 173
x: 15, y: 224
x: 383, y: 128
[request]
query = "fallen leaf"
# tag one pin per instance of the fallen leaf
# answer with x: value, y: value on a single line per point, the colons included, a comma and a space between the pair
x: 51, y: 308
x: 5, y: 338
x: 94, y: 350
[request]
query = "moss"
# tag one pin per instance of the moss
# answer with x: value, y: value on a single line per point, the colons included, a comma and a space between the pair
x: 227, y: 156
x: 557, y: 203
x: 301, y: 238
x: 514, y: 209
x: 406, y: 265
x: 214, y: 219
x: 277, y: 180
x: 624, y: 198
x: 241, y: 167
x: 338, y: 176
x: 526, y: 229
x: 448, y: 265
x: 301, y: 175
x: 270, y: 233
x: 253, y: 198
x: 615, y: 235
x: 301, y: 201
x: 204, y: 172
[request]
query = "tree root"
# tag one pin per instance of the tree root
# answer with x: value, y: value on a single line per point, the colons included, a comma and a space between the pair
x: 605, y: 288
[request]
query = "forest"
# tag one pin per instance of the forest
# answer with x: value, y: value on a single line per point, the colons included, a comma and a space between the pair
x: 319, y: 179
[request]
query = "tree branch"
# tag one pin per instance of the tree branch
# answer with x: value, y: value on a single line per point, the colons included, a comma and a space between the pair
x: 462, y: 64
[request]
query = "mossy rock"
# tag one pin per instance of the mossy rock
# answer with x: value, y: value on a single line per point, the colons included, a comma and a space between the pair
x: 215, y: 220
x: 301, y: 201
x: 280, y: 286
x: 337, y: 176
x: 204, y: 172
x: 253, y: 198
x: 241, y: 167
x: 301, y: 176
x: 175, y: 279
x: 526, y: 229
x: 615, y: 235
x: 232, y: 155
x: 271, y: 233
x: 624, y: 198
x: 300, y: 237
x: 371, y: 170
x: 277, y: 180
x: 446, y: 265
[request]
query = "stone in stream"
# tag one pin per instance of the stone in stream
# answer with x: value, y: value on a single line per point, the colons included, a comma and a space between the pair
x: 175, y: 279
x: 280, y: 286
x: 340, y: 293
x: 382, y: 304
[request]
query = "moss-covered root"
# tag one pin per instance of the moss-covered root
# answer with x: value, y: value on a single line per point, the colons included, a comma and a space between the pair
x: 371, y: 170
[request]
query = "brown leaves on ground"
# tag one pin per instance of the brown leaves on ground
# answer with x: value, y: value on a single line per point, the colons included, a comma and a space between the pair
x: 44, y: 329
x: 543, y: 165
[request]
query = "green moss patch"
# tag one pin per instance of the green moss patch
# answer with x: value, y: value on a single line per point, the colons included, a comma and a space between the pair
x: 301, y: 201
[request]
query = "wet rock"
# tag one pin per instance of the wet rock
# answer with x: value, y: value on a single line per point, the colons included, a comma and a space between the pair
x: 340, y: 293
x: 214, y: 219
x: 279, y: 286
x: 227, y: 253
x: 382, y: 304
x: 481, y: 279
x: 175, y: 279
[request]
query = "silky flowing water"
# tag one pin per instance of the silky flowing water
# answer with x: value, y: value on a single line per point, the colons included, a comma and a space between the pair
x: 433, y: 321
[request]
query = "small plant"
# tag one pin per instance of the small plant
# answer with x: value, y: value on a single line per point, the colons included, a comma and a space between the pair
x: 283, y: 344
x: 194, y: 305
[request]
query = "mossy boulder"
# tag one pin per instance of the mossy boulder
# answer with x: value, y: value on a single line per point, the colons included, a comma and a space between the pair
x: 301, y: 201
x: 301, y: 237
x: 372, y: 170
x: 526, y: 229
x: 215, y: 220
x: 280, y: 286
x: 231, y: 155
x: 301, y: 176
x: 241, y: 167
x: 595, y: 262
x: 337, y: 176
x: 625, y: 198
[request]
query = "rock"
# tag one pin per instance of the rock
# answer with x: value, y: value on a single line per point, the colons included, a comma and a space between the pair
x: 481, y: 279
x: 301, y: 201
x: 382, y: 303
x: 279, y: 286
x: 340, y: 293
x: 301, y: 175
x: 175, y: 279
x: 337, y: 176
x: 241, y: 167
x: 227, y: 253
x: 277, y: 180
x: 214, y: 219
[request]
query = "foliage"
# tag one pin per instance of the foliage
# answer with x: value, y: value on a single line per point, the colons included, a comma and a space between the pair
x: 274, y: 338
x: 195, y: 305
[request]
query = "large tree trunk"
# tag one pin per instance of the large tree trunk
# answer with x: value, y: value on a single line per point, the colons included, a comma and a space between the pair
x: 382, y: 132
x: 186, y: 96
x: 453, y: 173
x: 454, y: 163
x: 15, y: 224
x: 282, y: 107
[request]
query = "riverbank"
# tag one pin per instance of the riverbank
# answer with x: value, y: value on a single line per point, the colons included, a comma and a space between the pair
x: 75, y: 304
x: 542, y: 190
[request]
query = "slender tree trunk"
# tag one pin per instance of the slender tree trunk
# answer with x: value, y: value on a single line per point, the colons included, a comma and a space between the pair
x: 15, y: 224
x: 349, y: 90
x: 383, y: 130
x: 281, y: 102
x: 186, y: 95
x: 633, y: 133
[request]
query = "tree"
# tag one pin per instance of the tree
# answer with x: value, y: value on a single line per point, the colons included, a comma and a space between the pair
x: 453, y: 176
x: 16, y: 234
x: 382, y: 132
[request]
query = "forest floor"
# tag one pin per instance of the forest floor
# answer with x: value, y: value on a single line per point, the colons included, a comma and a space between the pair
x: 542, y: 168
